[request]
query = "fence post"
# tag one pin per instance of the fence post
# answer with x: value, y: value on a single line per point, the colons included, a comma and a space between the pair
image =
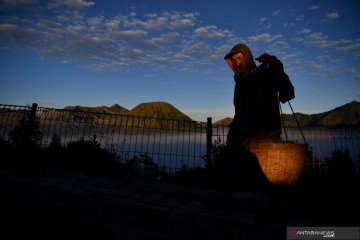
x: 209, y: 142
x: 33, y: 113
x: 32, y: 117
x: 25, y: 133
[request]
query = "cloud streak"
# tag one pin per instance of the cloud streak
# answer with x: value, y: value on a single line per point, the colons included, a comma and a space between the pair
x: 112, y: 43
x: 77, y: 4
x: 175, y: 41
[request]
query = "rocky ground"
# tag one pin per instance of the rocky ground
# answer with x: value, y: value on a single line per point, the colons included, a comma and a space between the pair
x: 60, y: 205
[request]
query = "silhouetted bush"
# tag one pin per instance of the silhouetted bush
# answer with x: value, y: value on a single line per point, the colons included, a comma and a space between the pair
x: 337, y: 183
x: 218, y: 155
x: 337, y: 169
x: 24, y: 145
x: 210, y: 176
x: 88, y: 156
x: 340, y: 165
x: 26, y: 134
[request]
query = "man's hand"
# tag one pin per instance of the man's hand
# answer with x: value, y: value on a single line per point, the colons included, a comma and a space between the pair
x: 266, y: 58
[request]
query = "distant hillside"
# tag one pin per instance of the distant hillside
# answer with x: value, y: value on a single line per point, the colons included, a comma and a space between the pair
x: 153, y: 115
x: 114, y: 109
x: 160, y: 110
x: 225, y: 121
x: 346, y: 115
x: 160, y: 115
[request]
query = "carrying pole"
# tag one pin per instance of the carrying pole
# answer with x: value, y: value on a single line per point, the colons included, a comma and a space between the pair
x: 302, y: 134
x: 282, y: 119
x: 209, y: 142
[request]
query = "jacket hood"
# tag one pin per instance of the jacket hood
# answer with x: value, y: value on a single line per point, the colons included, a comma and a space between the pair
x: 245, y: 50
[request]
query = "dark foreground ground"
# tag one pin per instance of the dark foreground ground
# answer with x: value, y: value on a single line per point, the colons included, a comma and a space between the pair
x: 58, y: 205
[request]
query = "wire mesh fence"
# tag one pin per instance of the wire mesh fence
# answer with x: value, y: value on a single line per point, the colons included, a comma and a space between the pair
x: 171, y: 144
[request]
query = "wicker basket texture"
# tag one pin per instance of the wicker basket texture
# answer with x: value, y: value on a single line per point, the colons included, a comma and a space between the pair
x: 281, y: 162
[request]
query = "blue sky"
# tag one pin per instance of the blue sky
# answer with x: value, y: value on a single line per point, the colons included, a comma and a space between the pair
x: 92, y: 53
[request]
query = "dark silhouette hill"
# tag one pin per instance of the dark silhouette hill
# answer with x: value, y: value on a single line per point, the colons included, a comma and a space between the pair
x: 343, y: 116
x: 159, y: 115
x: 114, y: 109
x: 160, y: 110
x: 225, y: 121
x: 152, y: 115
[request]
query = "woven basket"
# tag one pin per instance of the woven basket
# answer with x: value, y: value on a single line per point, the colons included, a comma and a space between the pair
x: 281, y: 162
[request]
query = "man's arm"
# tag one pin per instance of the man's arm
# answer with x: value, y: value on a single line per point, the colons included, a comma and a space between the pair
x: 285, y: 87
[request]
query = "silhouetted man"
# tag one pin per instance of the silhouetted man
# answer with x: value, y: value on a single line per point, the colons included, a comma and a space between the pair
x: 258, y: 90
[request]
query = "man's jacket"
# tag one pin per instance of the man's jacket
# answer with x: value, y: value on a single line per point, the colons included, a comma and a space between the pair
x: 256, y: 99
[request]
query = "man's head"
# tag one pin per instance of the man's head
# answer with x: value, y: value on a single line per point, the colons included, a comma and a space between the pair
x: 240, y: 58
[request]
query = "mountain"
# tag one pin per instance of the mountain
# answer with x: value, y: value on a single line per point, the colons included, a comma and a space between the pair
x: 159, y: 110
x: 159, y: 115
x: 346, y: 115
x: 225, y: 121
x: 114, y: 109
x: 343, y: 116
x: 117, y: 109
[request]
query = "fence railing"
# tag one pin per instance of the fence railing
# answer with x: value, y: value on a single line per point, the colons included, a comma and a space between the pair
x: 170, y: 143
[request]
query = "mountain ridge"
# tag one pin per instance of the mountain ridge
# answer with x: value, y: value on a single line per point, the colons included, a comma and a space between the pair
x: 114, y: 109
x: 159, y: 110
x: 345, y: 115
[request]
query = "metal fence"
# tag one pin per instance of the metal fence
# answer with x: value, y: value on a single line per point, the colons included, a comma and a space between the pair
x: 322, y: 143
x: 170, y: 143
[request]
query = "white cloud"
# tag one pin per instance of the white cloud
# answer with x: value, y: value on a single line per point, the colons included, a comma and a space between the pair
x: 129, y: 34
x: 276, y: 12
x: 211, y: 32
x: 95, y: 21
x: 170, y: 35
x: 182, y: 23
x: 314, y: 7
x: 196, y: 49
x: 332, y: 15
x: 264, y: 24
x: 201, y: 31
x: 316, y: 66
x: 264, y: 37
x: 7, y: 27
x: 154, y: 23
x: 78, y: 4
x: 159, y: 40
x: 300, y: 18
x: 304, y: 31
x: 352, y: 47
x: 319, y: 40
x: 329, y: 16
x: 114, y: 23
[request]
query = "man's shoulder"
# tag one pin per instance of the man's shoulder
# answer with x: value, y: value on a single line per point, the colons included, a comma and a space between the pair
x: 270, y: 66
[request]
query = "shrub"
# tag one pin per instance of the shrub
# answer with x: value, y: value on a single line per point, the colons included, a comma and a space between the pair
x: 87, y: 155
x: 26, y: 134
